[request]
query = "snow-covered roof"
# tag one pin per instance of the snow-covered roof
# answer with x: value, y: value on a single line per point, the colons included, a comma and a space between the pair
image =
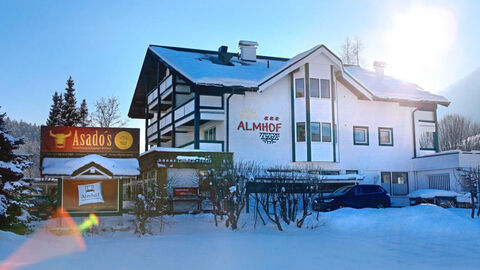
x: 67, y: 166
x: 431, y: 193
x: 203, y: 68
x: 451, y: 152
x: 390, y: 88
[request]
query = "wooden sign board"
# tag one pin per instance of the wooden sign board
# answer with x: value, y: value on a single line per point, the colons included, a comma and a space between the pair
x: 90, y: 196
x: 81, y: 141
x: 187, y: 191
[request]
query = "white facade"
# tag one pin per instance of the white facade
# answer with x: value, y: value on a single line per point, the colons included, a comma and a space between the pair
x: 264, y: 124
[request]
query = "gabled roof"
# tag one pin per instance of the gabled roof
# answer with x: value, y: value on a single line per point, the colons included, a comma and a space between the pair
x: 201, y: 67
x: 390, y: 88
x: 67, y: 166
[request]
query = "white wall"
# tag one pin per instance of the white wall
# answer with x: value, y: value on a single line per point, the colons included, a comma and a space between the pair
x: 320, y: 110
x: 252, y: 108
x: 373, y: 114
x: 369, y: 160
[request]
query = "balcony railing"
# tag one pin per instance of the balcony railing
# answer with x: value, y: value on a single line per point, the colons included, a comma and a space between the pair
x: 164, y: 86
x: 211, y: 108
x: 185, y: 109
x: 206, y: 145
x: 152, y: 128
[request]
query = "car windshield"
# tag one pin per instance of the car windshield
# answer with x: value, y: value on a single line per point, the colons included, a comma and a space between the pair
x: 342, y: 190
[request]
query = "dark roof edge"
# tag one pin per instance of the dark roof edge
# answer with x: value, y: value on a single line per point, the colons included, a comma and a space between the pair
x: 215, y: 52
x: 305, y: 56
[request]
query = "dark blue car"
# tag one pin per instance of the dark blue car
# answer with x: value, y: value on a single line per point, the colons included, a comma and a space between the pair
x: 355, y: 196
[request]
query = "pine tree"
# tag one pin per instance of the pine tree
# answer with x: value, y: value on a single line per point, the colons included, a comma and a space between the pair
x: 83, y: 120
x: 55, y: 110
x: 12, y: 200
x: 70, y: 114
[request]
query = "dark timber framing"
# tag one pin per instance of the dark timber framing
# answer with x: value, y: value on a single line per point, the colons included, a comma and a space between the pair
x: 332, y: 98
x: 292, y: 111
x: 435, y: 138
x: 196, y: 122
x: 307, y: 115
x: 174, y: 104
x: 227, y: 133
x: 159, y: 100
x: 414, y: 134
x: 146, y: 120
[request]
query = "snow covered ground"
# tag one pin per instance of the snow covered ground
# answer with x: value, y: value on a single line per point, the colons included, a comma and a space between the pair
x: 420, y: 237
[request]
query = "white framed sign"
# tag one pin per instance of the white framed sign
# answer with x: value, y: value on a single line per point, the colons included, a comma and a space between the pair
x: 90, y: 193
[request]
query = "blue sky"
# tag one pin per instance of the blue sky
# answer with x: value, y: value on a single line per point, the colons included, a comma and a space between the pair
x: 102, y: 45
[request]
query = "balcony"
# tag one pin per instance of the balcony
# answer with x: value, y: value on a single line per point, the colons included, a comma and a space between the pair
x: 210, y: 146
x: 163, y: 86
x: 211, y: 109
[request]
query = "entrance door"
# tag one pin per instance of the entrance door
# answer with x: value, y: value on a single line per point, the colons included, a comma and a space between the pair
x: 387, y: 181
x: 395, y: 182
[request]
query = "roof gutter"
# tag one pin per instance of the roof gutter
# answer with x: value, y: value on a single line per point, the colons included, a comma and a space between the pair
x: 228, y: 121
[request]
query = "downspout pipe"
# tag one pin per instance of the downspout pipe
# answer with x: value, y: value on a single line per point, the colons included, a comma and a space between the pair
x: 414, y: 134
x: 228, y: 121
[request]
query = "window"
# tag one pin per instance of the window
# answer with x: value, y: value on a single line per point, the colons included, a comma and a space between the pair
x: 300, y: 131
x: 326, y: 132
x: 360, y: 135
x: 299, y: 88
x: 427, y: 141
x: 351, y: 172
x: 371, y: 189
x: 321, y: 132
x: 210, y: 134
x: 315, y: 129
x: 385, y: 136
x: 330, y: 172
x: 358, y: 190
x: 325, y: 88
x: 439, y: 181
x: 426, y: 131
x: 314, y: 88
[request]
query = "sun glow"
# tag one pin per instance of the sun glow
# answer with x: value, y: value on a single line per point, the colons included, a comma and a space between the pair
x: 418, y: 42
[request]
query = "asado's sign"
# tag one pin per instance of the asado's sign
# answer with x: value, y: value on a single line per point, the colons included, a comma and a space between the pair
x: 78, y: 141
x: 268, y: 130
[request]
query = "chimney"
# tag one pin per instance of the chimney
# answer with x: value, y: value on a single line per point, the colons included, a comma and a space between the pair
x: 248, y: 50
x: 379, y: 68
x: 223, y: 55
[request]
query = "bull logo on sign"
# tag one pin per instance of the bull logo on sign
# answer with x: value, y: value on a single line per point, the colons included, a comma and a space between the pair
x: 60, y: 138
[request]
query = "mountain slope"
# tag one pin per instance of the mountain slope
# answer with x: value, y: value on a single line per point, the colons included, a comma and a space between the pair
x: 465, y: 96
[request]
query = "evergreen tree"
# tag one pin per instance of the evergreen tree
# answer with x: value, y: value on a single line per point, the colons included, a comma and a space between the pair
x: 54, y: 117
x: 83, y: 121
x: 12, y: 199
x: 70, y: 113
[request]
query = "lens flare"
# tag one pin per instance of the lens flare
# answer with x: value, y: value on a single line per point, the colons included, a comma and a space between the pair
x: 89, y: 223
x: 58, y: 236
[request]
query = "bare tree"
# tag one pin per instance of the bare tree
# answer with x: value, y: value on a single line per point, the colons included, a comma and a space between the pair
x: 469, y: 180
x: 107, y: 113
x: 455, y: 132
x: 351, y: 50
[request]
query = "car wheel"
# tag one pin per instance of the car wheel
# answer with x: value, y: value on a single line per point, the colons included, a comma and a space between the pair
x: 341, y: 206
x: 380, y: 205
